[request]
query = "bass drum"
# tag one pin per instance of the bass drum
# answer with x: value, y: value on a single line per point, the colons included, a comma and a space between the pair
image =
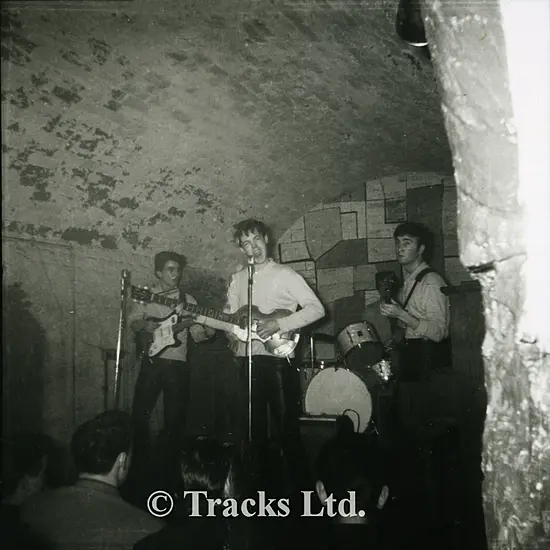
x: 336, y: 390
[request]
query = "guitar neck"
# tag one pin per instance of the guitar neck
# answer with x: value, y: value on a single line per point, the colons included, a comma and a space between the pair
x: 205, y: 316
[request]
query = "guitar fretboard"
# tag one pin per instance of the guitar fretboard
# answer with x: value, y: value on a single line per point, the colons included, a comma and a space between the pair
x: 193, y: 308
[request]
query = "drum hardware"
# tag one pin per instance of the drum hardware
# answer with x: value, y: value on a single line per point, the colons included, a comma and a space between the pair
x: 321, y: 337
x: 383, y: 370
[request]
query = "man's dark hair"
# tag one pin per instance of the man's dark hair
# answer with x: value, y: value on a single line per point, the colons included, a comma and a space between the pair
x: 419, y: 232
x: 167, y: 256
x: 205, y: 465
x: 246, y: 227
x: 97, y: 443
x: 23, y: 455
x: 351, y: 462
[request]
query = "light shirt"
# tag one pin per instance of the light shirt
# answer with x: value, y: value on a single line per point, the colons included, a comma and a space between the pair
x: 152, y: 309
x: 428, y: 304
x: 275, y: 286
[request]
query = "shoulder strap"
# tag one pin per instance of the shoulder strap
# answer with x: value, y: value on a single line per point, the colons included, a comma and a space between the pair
x: 417, y: 279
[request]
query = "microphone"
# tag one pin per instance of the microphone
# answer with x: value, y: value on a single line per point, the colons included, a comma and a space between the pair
x: 250, y: 266
x: 125, y: 276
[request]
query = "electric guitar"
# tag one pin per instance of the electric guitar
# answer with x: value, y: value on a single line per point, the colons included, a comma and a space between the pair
x: 164, y: 336
x: 278, y: 345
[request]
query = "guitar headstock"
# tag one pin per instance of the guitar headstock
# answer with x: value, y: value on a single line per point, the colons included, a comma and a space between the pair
x: 141, y: 294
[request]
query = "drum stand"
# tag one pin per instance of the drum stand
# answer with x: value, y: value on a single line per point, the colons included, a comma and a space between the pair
x: 311, y: 352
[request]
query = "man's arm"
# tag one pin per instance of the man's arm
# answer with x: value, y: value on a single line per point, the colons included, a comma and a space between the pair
x: 312, y: 308
x: 434, y: 324
x: 232, y: 304
x: 199, y: 333
x: 137, y: 319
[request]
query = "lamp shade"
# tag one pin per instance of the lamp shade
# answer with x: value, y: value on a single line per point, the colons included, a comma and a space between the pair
x: 409, y: 24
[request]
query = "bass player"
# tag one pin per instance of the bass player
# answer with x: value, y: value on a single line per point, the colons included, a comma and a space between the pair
x: 276, y: 288
x: 166, y: 372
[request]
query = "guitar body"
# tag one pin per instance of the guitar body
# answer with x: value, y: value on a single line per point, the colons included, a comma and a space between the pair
x: 280, y: 344
x: 164, y: 336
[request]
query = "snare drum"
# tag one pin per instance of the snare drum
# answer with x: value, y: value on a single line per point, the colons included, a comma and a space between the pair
x: 335, y: 391
x: 360, y: 345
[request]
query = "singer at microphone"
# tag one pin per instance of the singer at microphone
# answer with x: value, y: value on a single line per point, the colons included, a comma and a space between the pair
x: 283, y: 302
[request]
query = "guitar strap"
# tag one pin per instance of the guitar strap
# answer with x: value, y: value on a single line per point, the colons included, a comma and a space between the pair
x: 417, y: 279
x: 398, y: 331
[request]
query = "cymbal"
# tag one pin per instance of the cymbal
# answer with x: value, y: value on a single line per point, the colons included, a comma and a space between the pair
x: 322, y: 337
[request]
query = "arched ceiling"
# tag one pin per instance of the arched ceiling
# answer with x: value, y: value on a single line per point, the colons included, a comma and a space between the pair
x: 146, y: 124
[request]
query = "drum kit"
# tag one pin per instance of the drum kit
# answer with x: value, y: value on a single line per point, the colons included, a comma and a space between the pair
x: 351, y: 384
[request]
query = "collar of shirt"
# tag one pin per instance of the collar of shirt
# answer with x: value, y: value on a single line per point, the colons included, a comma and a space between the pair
x: 260, y: 269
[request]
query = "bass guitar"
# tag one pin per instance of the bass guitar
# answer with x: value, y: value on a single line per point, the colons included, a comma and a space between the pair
x: 279, y: 344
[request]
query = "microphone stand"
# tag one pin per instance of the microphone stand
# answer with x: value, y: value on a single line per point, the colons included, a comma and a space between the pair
x: 121, y: 332
x: 249, y: 344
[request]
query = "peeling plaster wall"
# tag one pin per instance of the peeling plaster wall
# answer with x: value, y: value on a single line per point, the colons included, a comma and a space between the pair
x: 468, y: 45
x: 138, y: 126
x: 64, y: 317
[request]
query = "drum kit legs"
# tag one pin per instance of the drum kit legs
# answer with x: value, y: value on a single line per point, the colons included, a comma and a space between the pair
x: 349, y: 386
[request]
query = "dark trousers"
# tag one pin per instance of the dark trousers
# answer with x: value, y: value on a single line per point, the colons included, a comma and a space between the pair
x: 418, y: 358
x: 275, y: 411
x: 156, y: 376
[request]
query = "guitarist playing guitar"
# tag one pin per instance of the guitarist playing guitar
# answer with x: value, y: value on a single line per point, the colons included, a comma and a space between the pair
x: 276, y: 287
x: 165, y: 371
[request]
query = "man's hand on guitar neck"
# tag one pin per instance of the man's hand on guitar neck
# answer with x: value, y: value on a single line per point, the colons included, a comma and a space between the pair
x: 186, y: 319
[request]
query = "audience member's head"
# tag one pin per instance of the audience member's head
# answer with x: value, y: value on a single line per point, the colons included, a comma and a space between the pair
x: 101, y: 447
x: 347, y: 463
x: 210, y: 466
x: 24, y: 461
